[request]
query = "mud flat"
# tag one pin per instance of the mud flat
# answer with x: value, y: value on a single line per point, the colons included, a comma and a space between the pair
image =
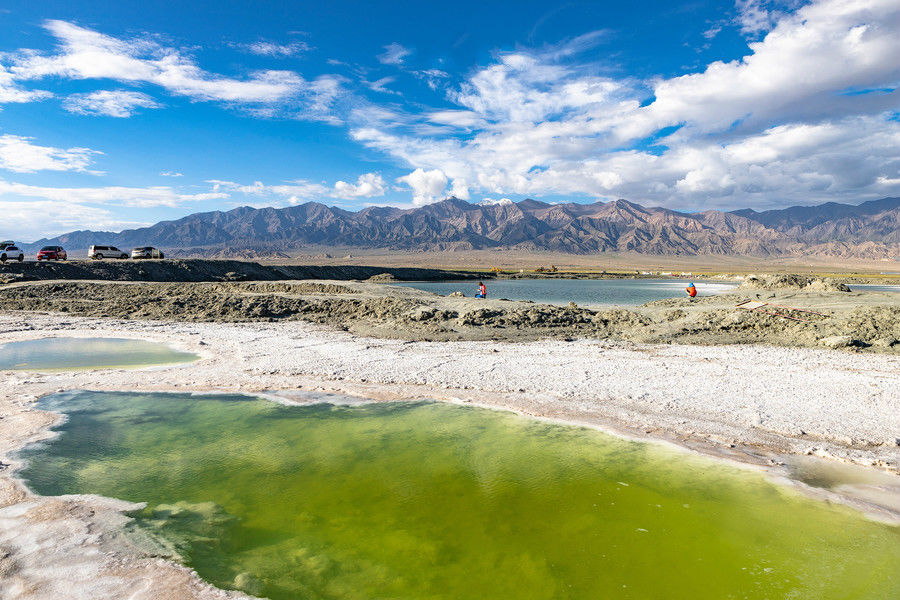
x: 861, y: 321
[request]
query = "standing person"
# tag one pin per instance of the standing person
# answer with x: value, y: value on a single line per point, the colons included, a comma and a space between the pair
x: 691, y: 290
x: 482, y: 290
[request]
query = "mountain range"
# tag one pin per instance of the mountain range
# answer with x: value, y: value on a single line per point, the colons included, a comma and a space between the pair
x: 867, y: 230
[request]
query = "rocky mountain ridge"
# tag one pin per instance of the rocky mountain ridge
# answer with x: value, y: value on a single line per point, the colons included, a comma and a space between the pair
x: 869, y: 230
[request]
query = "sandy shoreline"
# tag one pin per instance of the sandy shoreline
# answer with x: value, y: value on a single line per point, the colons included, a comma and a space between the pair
x: 749, y: 403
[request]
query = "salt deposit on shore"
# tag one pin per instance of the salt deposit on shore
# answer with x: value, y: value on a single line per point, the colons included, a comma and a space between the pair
x: 751, y: 403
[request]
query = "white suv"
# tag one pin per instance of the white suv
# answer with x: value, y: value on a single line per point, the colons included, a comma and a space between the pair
x: 11, y: 253
x: 101, y: 252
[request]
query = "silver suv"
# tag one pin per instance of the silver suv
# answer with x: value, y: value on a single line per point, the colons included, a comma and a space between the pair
x: 101, y: 252
x: 11, y: 252
x: 147, y: 252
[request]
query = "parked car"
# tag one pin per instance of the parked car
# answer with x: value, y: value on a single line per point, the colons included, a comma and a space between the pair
x: 6, y: 243
x: 101, y: 252
x: 52, y: 253
x: 11, y: 253
x: 147, y: 252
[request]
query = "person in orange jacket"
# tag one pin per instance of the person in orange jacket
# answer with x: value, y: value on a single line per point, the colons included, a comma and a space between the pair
x: 691, y: 290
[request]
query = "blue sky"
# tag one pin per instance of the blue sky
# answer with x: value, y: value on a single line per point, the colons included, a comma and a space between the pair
x: 115, y: 115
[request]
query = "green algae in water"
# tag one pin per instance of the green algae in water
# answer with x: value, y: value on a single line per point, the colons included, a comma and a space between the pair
x: 70, y: 354
x: 427, y: 500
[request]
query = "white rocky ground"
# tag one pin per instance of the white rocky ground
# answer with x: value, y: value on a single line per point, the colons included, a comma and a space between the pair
x: 751, y: 403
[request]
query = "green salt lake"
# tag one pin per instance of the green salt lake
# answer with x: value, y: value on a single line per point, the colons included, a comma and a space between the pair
x: 430, y: 500
x: 68, y: 353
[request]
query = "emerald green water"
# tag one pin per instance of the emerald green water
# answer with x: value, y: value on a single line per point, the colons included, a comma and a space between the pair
x: 433, y: 501
x: 67, y: 354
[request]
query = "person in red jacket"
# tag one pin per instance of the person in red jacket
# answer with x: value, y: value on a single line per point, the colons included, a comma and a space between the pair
x: 691, y: 290
x: 482, y: 290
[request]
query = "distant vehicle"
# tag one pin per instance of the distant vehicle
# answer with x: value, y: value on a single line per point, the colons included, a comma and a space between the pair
x: 147, y: 252
x: 11, y: 253
x: 52, y: 253
x: 101, y: 252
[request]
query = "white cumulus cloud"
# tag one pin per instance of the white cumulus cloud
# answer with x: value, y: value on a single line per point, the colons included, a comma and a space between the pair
x: 110, y: 103
x: 799, y: 71
x: 296, y: 191
x: 12, y: 92
x: 460, y: 189
x: 756, y: 16
x: 19, y: 154
x: 427, y: 186
x: 368, y: 185
x: 87, y: 54
x: 111, y: 195
x: 57, y: 216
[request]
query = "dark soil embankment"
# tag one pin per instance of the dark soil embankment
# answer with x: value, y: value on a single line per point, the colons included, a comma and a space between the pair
x: 198, y: 270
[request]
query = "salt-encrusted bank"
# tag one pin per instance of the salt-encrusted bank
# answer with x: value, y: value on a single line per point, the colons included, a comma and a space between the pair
x: 749, y: 402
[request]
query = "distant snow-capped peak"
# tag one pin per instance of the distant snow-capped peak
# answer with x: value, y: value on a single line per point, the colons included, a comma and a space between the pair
x: 492, y: 201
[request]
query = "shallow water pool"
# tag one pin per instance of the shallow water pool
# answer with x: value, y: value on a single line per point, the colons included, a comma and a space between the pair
x: 68, y: 354
x: 869, y: 287
x: 429, y: 500
x: 584, y: 292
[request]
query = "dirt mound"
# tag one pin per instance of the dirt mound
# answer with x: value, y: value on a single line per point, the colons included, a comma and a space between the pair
x: 226, y: 302
x: 718, y: 299
x: 11, y: 278
x: 382, y: 278
x: 296, y: 289
x: 878, y: 325
x: 793, y: 282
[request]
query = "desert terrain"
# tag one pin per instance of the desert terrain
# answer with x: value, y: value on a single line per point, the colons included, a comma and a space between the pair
x: 742, y: 385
